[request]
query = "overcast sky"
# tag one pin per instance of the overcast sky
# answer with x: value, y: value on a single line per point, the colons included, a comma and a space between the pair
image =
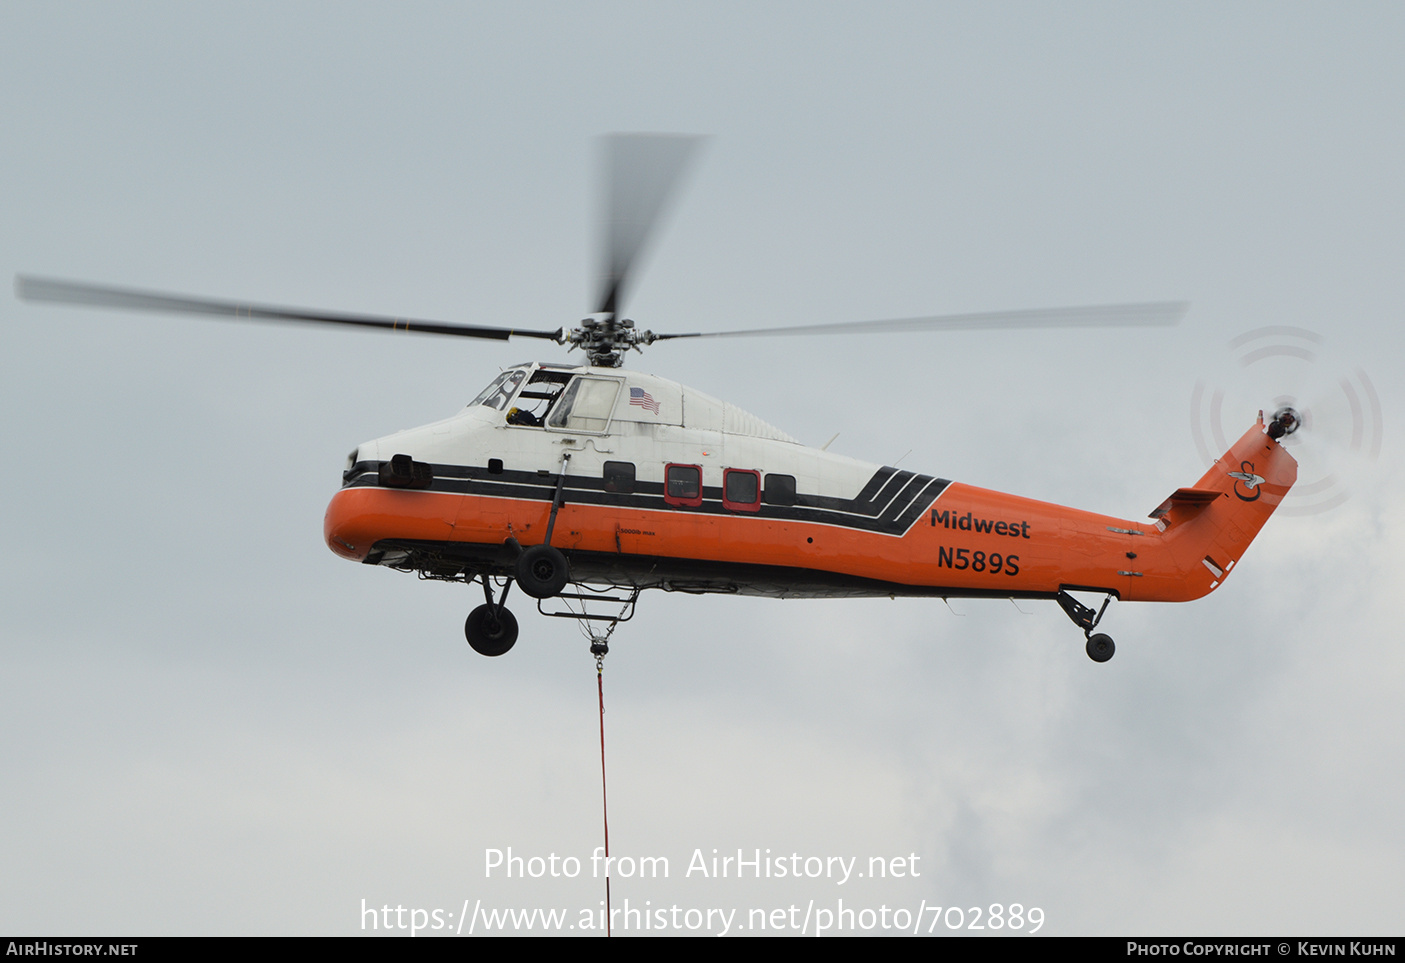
x: 213, y: 725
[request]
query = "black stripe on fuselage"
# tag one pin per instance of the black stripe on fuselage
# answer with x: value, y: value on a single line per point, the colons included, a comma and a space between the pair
x: 694, y: 576
x: 888, y: 504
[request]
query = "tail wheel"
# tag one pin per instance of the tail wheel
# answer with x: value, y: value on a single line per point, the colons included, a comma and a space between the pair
x: 1100, y: 647
x: 542, y: 571
x: 490, y: 630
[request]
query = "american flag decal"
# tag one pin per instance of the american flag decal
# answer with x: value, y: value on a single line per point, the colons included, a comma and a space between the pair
x: 642, y: 398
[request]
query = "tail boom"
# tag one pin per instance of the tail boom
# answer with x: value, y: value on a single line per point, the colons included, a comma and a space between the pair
x: 979, y: 542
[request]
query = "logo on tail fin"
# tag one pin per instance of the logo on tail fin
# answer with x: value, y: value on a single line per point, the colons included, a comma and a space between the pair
x: 1245, y: 477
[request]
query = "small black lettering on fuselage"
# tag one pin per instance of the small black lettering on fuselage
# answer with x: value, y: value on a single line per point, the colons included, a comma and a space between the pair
x: 962, y: 558
x: 969, y: 523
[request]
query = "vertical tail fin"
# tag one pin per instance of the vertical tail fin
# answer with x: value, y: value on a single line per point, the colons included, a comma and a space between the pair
x: 1206, y: 529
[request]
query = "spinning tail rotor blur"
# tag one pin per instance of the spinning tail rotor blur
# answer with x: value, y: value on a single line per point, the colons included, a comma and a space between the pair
x: 1340, y: 424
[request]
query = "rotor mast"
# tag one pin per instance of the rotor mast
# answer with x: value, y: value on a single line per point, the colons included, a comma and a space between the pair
x: 642, y: 173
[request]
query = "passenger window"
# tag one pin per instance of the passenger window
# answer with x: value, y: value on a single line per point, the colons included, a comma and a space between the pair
x: 683, y: 485
x: 619, y: 476
x: 780, y: 489
x: 741, y: 490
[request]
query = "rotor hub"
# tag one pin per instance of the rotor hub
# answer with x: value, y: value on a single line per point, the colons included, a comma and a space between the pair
x: 1285, y: 421
x: 605, y: 339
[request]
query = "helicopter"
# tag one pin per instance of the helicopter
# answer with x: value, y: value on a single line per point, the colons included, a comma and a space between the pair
x: 584, y: 485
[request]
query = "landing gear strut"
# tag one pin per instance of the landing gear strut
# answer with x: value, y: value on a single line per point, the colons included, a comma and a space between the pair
x: 542, y: 571
x: 1100, y: 647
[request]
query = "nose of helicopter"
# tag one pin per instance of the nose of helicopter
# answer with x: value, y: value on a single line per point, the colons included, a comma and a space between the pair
x: 360, y: 516
x: 346, y: 526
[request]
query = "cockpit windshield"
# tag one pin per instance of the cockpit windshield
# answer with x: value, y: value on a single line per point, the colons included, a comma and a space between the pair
x: 500, y: 392
x: 526, y: 405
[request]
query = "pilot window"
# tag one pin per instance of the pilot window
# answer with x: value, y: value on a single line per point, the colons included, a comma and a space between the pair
x: 619, y: 476
x: 741, y: 490
x: 535, y: 402
x: 683, y: 485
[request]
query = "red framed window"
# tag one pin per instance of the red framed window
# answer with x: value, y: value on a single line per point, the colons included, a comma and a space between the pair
x: 683, y: 485
x: 741, y: 490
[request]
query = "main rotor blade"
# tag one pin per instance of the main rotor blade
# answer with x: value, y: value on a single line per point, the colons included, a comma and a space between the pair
x: 96, y: 295
x: 642, y: 173
x: 1152, y: 314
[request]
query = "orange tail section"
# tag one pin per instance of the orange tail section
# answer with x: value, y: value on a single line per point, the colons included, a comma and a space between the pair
x: 1205, y: 530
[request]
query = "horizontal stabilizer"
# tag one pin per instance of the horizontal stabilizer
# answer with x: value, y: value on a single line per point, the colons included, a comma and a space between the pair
x: 1189, y: 498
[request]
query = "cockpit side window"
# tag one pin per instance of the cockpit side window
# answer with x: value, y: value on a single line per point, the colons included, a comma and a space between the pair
x: 535, y: 402
x: 585, y: 405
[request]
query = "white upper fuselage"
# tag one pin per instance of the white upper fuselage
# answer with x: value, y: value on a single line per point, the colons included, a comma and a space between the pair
x: 617, y: 416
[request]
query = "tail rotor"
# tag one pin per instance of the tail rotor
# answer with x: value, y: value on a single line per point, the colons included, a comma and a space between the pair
x: 1326, y: 412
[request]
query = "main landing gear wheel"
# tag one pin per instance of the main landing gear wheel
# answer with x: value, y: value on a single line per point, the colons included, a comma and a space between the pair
x: 1100, y: 647
x: 542, y: 571
x: 490, y: 630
